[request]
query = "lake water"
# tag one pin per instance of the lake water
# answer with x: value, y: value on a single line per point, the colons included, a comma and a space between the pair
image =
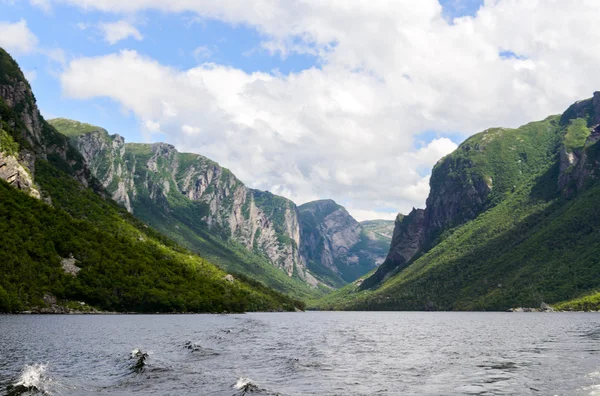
x: 313, y: 353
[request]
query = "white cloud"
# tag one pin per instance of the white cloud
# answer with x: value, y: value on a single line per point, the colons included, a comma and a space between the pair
x: 120, y: 30
x: 44, y: 5
x: 201, y: 53
x: 17, y: 38
x: 389, y: 71
x: 361, y: 215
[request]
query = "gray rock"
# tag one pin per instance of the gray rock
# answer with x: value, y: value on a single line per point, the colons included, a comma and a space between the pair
x: 68, y: 265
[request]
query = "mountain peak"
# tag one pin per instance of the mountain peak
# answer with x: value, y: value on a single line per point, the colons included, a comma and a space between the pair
x: 588, y: 109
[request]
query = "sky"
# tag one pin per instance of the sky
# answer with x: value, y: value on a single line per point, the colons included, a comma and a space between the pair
x: 352, y: 100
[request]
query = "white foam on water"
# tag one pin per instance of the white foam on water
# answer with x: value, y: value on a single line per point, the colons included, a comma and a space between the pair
x: 593, y: 390
x: 33, y: 377
x: 242, y: 383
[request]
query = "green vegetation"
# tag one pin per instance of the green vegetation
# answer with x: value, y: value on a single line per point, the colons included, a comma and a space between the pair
x: 7, y: 143
x: 590, y: 302
x: 576, y: 135
x: 531, y: 246
x: 124, y: 264
x: 11, y: 72
x: 73, y: 128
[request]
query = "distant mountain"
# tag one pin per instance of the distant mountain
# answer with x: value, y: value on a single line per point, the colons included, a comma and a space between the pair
x: 512, y: 219
x: 337, y: 248
x: 66, y: 242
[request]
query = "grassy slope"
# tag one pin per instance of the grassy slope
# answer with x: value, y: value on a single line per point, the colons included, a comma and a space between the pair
x: 532, y: 246
x: 72, y: 128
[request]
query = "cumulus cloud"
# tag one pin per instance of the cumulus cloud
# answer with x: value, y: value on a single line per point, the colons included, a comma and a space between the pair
x: 17, y: 38
x: 389, y: 71
x: 120, y: 30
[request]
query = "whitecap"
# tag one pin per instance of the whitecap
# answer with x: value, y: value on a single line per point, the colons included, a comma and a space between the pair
x: 33, y: 377
x: 243, y: 383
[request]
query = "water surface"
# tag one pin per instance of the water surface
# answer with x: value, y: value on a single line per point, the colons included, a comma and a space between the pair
x: 313, y: 353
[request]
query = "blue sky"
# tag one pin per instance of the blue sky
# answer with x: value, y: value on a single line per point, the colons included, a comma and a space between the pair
x: 354, y: 101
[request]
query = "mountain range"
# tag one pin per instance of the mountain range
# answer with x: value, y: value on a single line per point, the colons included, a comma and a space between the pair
x: 188, y: 198
x: 88, y: 220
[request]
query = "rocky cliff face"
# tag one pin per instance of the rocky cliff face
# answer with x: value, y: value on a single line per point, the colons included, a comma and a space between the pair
x: 26, y: 138
x: 407, y: 240
x: 579, y: 153
x: 133, y: 173
x: 478, y: 175
x: 336, y: 246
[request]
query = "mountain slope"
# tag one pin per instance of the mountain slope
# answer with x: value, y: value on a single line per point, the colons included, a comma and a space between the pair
x: 199, y: 204
x: 62, y: 236
x: 509, y: 222
x: 336, y: 247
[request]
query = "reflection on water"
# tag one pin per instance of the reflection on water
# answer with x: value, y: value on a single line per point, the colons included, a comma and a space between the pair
x: 315, y: 353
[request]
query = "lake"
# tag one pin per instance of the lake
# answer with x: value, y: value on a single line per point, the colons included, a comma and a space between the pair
x: 312, y: 353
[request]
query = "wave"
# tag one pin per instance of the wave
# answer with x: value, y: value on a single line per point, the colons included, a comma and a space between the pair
x: 200, y: 350
x: 33, y: 379
x: 139, y: 358
x: 245, y: 385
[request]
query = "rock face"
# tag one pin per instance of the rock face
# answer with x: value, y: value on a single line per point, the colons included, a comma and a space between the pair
x: 407, y: 241
x: 475, y: 177
x: 17, y: 174
x: 579, y: 154
x: 26, y: 138
x: 134, y: 173
x: 336, y: 246
x: 459, y: 192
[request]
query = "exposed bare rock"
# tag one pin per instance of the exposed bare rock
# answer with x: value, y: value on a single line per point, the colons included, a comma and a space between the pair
x: 337, y: 246
x: 69, y: 265
x: 17, y: 175
x: 407, y: 241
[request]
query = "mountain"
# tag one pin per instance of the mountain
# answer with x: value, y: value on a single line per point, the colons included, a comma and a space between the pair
x: 205, y: 207
x: 337, y: 248
x: 65, y: 241
x: 512, y: 219
x: 199, y: 204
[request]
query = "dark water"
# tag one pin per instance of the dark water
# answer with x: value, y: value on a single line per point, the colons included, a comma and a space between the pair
x: 317, y: 353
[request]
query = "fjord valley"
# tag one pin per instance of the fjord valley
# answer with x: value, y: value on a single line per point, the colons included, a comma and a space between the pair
x: 512, y: 219
x: 91, y: 220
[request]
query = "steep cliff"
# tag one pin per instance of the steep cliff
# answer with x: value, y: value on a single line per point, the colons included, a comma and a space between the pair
x: 336, y: 247
x: 479, y: 174
x: 187, y: 195
x: 512, y: 219
x: 25, y: 137
x: 579, y: 155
